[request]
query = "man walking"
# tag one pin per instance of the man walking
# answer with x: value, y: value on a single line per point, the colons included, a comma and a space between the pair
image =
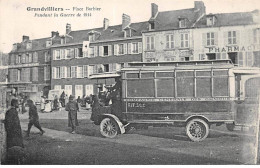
x: 33, y: 117
x: 72, y: 107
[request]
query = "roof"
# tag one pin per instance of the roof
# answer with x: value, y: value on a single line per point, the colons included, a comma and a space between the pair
x: 228, y: 19
x: 37, y: 44
x: 170, y: 19
x: 112, y: 32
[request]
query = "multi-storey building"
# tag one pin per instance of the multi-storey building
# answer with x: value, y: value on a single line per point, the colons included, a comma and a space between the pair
x: 98, y: 50
x: 170, y: 36
x: 3, y: 80
x: 190, y: 34
x: 29, y: 66
x: 234, y: 36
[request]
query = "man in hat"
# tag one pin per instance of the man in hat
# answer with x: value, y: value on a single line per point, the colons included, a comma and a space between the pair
x: 72, y: 107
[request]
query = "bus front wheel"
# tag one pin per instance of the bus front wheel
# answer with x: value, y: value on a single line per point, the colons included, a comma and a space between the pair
x: 197, y: 130
x: 109, y: 128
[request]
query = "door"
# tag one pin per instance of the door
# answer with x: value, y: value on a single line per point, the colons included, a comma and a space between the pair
x: 78, y: 91
x: 68, y: 90
x: 89, y: 90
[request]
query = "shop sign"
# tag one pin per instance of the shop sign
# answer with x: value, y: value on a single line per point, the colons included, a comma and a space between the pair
x: 227, y: 49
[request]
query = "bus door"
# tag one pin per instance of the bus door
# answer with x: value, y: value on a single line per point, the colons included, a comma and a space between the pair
x: 247, y: 91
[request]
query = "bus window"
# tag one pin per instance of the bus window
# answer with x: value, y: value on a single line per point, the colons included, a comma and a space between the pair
x: 203, y: 83
x: 132, y: 75
x: 164, y: 74
x: 147, y: 75
x: 220, y: 83
x: 220, y: 86
x: 185, y: 84
x: 140, y: 88
x: 165, y: 87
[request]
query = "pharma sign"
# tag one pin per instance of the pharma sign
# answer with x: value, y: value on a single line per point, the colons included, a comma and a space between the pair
x: 235, y: 48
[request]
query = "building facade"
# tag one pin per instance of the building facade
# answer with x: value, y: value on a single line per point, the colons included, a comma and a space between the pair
x: 29, y: 66
x: 191, y: 34
x: 170, y: 35
x: 101, y: 50
x: 234, y: 36
x: 3, y: 80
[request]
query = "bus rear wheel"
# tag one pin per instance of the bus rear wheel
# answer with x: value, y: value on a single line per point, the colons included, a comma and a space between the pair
x: 109, y: 128
x: 197, y: 130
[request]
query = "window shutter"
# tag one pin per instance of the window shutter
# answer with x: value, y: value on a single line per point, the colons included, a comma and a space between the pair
x: 85, y: 71
x: 65, y: 72
x: 218, y: 56
x: 140, y: 47
x: 54, y: 55
x: 53, y: 72
x: 101, y: 53
x: 110, y: 67
x: 204, y: 39
x: 115, y: 49
x: 76, y: 52
x: 109, y: 50
x: 226, y: 37
x: 216, y: 38
x: 125, y: 48
x: 238, y: 37
x: 17, y: 58
x: 129, y: 48
x: 72, y: 52
x: 118, y: 67
x: 95, y: 51
x: 240, y: 59
x: 251, y: 36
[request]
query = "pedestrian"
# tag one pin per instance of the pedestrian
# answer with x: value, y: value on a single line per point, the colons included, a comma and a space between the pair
x: 33, y: 117
x: 66, y: 98
x: 72, y: 108
x: 55, y: 103
x: 42, y: 104
x: 14, y: 138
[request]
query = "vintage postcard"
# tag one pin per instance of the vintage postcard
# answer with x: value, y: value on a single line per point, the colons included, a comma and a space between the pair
x: 129, y: 82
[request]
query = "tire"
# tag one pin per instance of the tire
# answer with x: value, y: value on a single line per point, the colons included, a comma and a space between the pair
x: 230, y: 127
x: 109, y: 128
x: 197, y: 130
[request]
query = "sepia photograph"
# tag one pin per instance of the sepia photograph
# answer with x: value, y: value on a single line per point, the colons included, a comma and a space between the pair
x: 129, y: 82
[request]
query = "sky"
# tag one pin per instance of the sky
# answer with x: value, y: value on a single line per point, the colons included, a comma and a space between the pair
x: 16, y: 20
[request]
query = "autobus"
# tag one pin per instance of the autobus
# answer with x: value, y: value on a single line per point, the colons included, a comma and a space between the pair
x: 194, y: 95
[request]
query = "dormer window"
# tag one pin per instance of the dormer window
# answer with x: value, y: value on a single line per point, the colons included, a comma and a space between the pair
x: 92, y: 37
x: 152, y: 26
x: 48, y: 43
x: 29, y: 45
x: 128, y: 33
x: 211, y: 19
x: 182, y: 22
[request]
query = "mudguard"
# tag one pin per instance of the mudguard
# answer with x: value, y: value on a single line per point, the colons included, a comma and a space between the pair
x: 120, y: 125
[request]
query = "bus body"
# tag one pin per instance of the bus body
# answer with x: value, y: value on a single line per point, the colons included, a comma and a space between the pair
x: 195, y: 95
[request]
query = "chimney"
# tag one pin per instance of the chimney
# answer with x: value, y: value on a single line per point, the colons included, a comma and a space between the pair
x: 199, y: 6
x: 68, y: 28
x: 256, y: 16
x: 105, y: 23
x: 25, y: 38
x: 126, y: 20
x: 54, y: 33
x: 15, y: 47
x: 154, y: 9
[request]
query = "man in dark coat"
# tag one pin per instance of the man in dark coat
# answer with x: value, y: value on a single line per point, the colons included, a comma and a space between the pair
x: 14, y: 138
x: 72, y: 107
x: 13, y: 127
x: 33, y: 117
